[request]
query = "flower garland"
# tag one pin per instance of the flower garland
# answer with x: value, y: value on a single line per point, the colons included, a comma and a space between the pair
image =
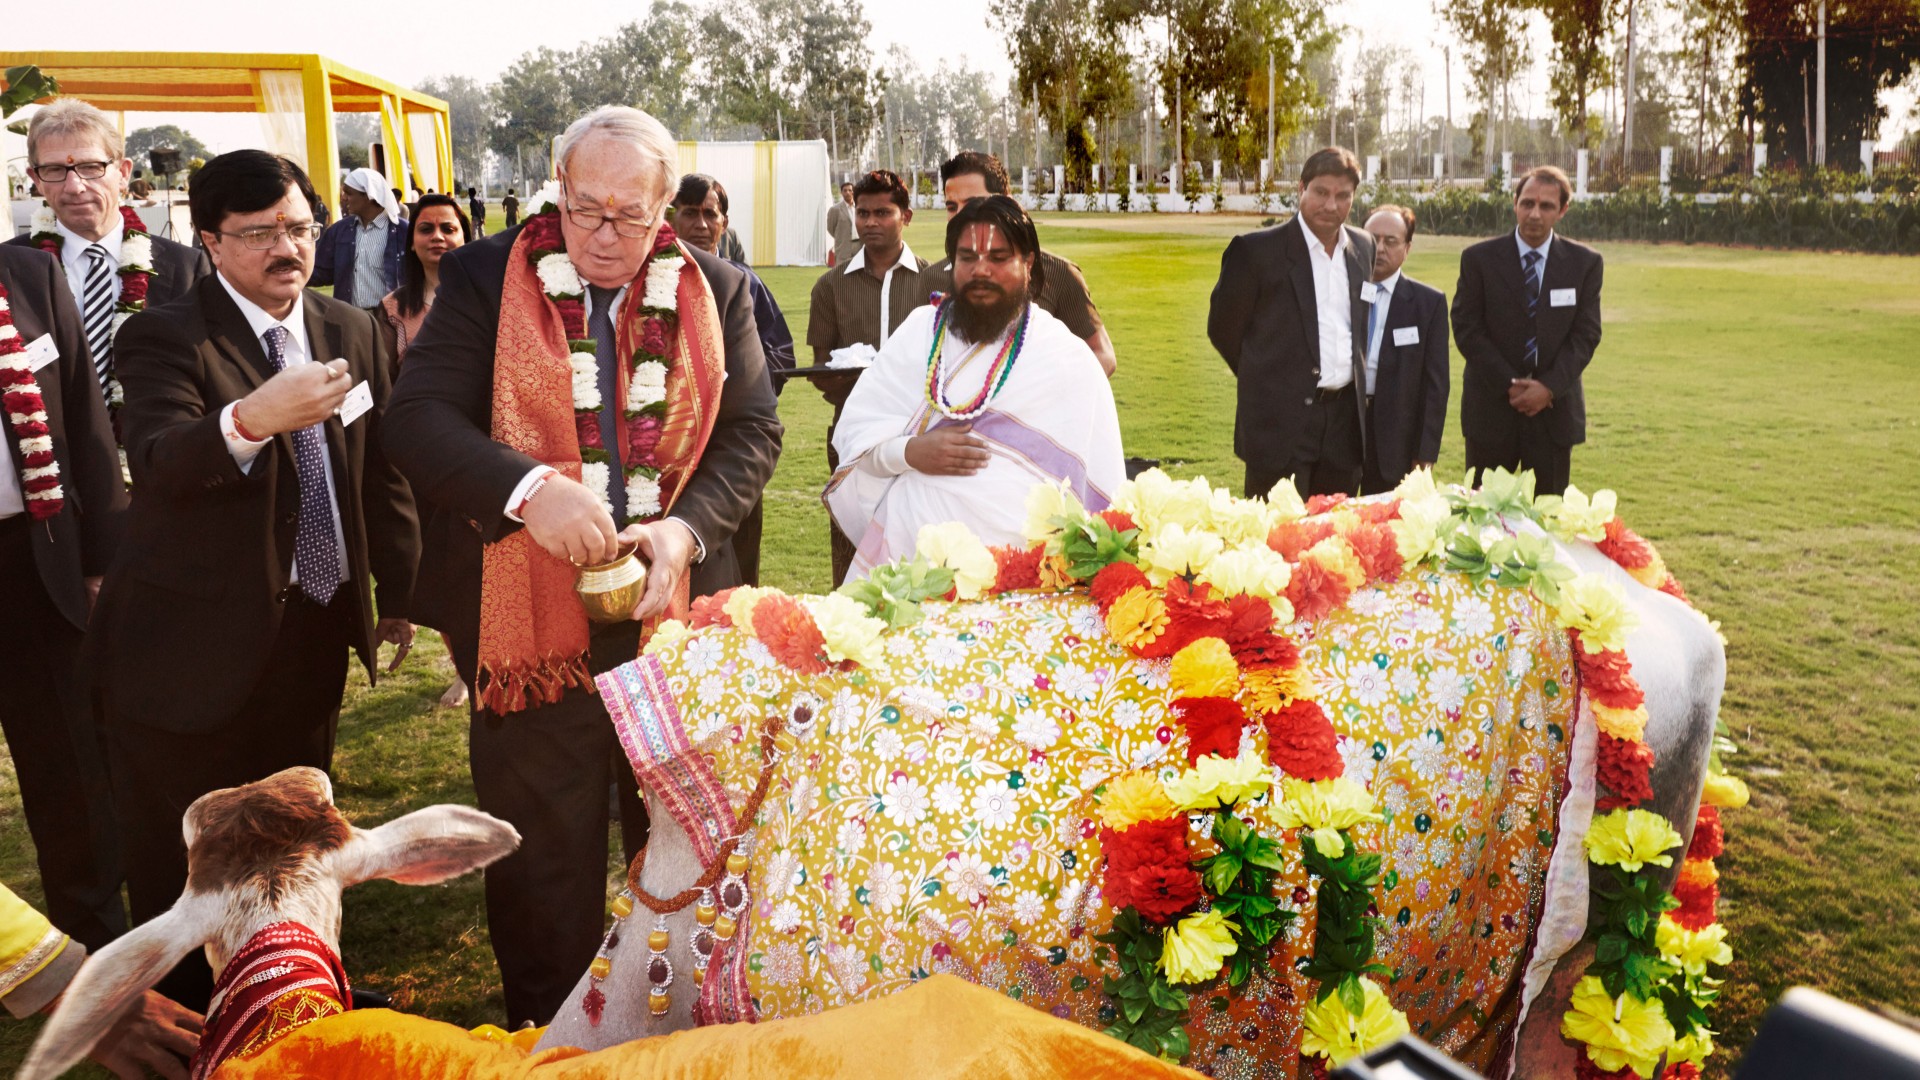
x: 27, y: 416
x: 996, y: 375
x: 642, y: 416
x: 136, y: 276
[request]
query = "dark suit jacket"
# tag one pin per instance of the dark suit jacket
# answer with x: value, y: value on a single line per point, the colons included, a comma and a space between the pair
x: 1410, y: 382
x: 1265, y: 322
x: 333, y: 259
x: 1491, y: 327
x: 209, y: 549
x: 79, y: 541
x: 440, y: 433
x: 175, y: 268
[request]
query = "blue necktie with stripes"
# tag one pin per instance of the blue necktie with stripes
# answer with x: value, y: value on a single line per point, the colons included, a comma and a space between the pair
x: 316, y: 555
x: 96, y: 309
x: 1531, y: 261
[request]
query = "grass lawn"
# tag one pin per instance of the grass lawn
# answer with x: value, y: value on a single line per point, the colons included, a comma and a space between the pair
x: 1752, y: 408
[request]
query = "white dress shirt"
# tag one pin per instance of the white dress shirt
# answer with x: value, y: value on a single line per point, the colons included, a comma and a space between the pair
x: 1539, y: 267
x: 73, y: 257
x: 297, y: 351
x: 369, y: 262
x: 1331, y: 296
x: 1382, y: 303
x: 859, y: 263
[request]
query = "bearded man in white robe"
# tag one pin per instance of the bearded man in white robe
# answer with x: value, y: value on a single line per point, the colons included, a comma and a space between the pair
x: 975, y: 399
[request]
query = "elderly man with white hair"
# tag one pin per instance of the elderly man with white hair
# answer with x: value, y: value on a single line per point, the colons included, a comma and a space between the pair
x: 584, y: 384
x: 361, y: 254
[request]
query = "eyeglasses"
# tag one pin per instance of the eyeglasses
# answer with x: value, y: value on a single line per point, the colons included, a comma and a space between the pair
x: 57, y: 174
x: 263, y: 237
x: 630, y: 227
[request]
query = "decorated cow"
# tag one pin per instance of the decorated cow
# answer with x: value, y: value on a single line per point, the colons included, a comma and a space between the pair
x: 1252, y: 784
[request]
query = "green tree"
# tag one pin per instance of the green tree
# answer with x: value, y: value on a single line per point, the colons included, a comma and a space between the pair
x: 651, y: 65
x: 1581, y: 31
x: 469, y: 106
x: 1492, y: 34
x: 792, y: 65
x: 1872, y: 45
x: 533, y: 102
x: 1072, y: 65
x: 353, y: 132
x: 144, y: 141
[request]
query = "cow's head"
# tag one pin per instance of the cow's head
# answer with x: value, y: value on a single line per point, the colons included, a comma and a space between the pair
x: 272, y: 851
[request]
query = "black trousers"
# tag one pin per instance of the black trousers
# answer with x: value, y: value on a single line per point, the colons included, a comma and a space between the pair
x: 1535, y: 449
x: 49, y: 726
x: 746, y: 543
x: 546, y: 771
x: 289, y: 719
x: 1333, y: 429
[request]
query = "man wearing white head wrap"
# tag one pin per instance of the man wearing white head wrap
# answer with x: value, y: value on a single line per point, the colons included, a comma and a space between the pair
x: 360, y: 255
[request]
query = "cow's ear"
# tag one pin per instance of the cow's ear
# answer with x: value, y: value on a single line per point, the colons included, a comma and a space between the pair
x: 425, y: 847
x: 112, y: 978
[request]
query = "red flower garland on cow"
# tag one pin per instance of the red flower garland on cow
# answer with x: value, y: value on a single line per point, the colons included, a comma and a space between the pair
x: 26, y: 413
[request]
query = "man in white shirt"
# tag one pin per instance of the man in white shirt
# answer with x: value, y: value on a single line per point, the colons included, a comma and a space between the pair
x: 1289, y: 317
x: 267, y: 515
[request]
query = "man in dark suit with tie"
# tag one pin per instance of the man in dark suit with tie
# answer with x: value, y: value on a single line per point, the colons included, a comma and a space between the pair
x: 1406, y: 359
x: 520, y: 475
x: 61, y: 509
x: 267, y: 514
x: 1289, y: 315
x: 1526, y: 316
x: 77, y: 158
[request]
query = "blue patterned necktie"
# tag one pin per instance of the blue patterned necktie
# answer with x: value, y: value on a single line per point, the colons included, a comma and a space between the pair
x: 1531, y: 262
x: 316, y: 555
x: 600, y: 329
x: 96, y: 307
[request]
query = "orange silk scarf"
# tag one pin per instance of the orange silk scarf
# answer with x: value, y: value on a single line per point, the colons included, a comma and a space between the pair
x: 533, y: 630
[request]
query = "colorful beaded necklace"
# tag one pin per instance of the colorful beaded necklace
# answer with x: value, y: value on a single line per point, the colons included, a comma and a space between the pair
x: 996, y: 375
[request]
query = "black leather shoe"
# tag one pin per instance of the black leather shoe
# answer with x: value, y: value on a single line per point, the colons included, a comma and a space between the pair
x: 370, y: 999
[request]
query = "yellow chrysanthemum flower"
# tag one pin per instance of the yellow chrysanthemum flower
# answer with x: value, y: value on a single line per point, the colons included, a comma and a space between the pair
x: 1417, y: 486
x: 1155, y: 499
x: 1134, y: 797
x: 1325, y: 807
x: 1217, y: 781
x: 954, y: 546
x: 1239, y: 521
x: 1253, y: 569
x: 1693, y: 950
x: 1725, y: 791
x: 1137, y: 617
x: 1634, y: 1039
x: 1631, y: 839
x: 1272, y: 689
x: 1575, y: 516
x: 1331, y: 1032
x: 1196, y: 946
x: 1697, y: 1047
x: 668, y: 635
x: 1174, y: 550
x: 1055, y: 573
x: 1629, y: 724
x: 1045, y: 502
x: 740, y: 603
x: 1598, y: 609
x: 850, y: 633
x: 1205, y: 668
x: 1422, y: 529
x: 1285, y: 500
x: 1338, y: 558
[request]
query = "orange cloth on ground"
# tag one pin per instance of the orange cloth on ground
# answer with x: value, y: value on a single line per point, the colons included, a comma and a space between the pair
x: 938, y: 1028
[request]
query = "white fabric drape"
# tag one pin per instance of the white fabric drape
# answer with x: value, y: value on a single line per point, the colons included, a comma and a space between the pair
x: 283, y: 117
x: 799, y: 197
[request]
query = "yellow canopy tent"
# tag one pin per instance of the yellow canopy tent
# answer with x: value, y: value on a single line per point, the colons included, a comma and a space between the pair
x: 289, y: 89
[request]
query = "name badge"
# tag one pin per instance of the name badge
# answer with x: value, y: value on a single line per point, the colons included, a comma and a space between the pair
x: 1369, y: 291
x: 359, y: 400
x: 1560, y: 298
x: 1406, y: 335
x: 41, y: 351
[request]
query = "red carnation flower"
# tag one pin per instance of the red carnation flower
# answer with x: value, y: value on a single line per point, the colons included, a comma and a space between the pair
x: 1193, y: 612
x: 1671, y: 586
x: 1622, y: 767
x: 1213, y: 726
x: 653, y: 335
x: 1249, y: 632
x: 1607, y: 676
x: 1017, y: 568
x: 1624, y: 546
x: 133, y: 288
x: 1290, y: 538
x: 1300, y: 740
x: 1320, y: 504
x: 1698, y: 905
x: 788, y: 631
x: 1377, y: 513
x: 1709, y: 836
x: 1114, y: 580
x: 711, y: 610
x: 1315, y: 590
x: 1150, y: 870
x: 1378, y: 550
x: 1118, y: 520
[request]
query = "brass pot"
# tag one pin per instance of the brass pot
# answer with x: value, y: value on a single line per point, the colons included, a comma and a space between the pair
x: 611, y: 590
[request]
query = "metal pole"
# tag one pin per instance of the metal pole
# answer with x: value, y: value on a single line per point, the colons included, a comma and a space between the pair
x: 1820, y: 115
x: 1446, y: 142
x: 1271, y: 164
x: 1626, y: 127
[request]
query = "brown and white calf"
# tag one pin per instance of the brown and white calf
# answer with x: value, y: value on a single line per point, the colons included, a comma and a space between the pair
x: 260, y: 858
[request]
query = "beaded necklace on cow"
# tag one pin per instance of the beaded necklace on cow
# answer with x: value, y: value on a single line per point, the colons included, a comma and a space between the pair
x: 996, y: 375
x: 719, y: 920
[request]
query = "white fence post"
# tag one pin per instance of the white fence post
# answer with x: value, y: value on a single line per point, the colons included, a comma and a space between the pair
x: 1580, y: 172
x: 1026, y: 181
x: 1866, y: 157
x: 1506, y: 167
x: 1060, y: 187
x: 1439, y: 167
x: 1266, y: 170
x: 1759, y: 158
x: 1666, y: 171
x: 1133, y: 183
x: 1373, y: 167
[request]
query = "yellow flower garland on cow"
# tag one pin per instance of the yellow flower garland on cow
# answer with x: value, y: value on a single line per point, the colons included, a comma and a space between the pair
x: 1210, y: 583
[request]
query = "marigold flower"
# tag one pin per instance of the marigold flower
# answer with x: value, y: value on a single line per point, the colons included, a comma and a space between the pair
x: 1624, y: 768
x: 1205, y: 668
x: 1635, y: 1039
x: 1213, y: 726
x: 1300, y: 740
x: 1017, y: 568
x: 849, y: 632
x: 1693, y: 950
x: 1316, y: 590
x: 1150, y: 869
x: 1725, y: 791
x: 1136, y: 618
x: 1328, y: 1030
x: 740, y: 603
x: 1339, y: 558
x: 1697, y: 874
x: 1113, y: 581
x: 1698, y: 902
x: 1270, y: 690
x: 790, y: 634
x: 1291, y: 539
x: 1631, y: 839
x: 1598, y: 609
x: 1653, y: 575
x: 1629, y: 724
x: 1628, y: 549
x: 1325, y: 807
x: 1376, y: 549
x: 711, y: 610
x: 1709, y: 836
x: 954, y: 546
x: 1196, y: 946
x: 1219, y: 781
x: 1134, y: 797
x: 1054, y: 573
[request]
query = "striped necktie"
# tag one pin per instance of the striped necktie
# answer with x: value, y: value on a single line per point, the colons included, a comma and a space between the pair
x: 1531, y: 262
x: 97, y: 298
x: 316, y: 555
x: 600, y: 329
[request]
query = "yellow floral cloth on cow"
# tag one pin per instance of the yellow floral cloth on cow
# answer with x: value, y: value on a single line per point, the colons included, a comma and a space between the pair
x: 934, y: 811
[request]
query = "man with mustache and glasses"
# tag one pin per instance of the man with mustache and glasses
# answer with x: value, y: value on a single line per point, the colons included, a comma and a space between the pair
x: 972, y: 403
x: 268, y: 523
